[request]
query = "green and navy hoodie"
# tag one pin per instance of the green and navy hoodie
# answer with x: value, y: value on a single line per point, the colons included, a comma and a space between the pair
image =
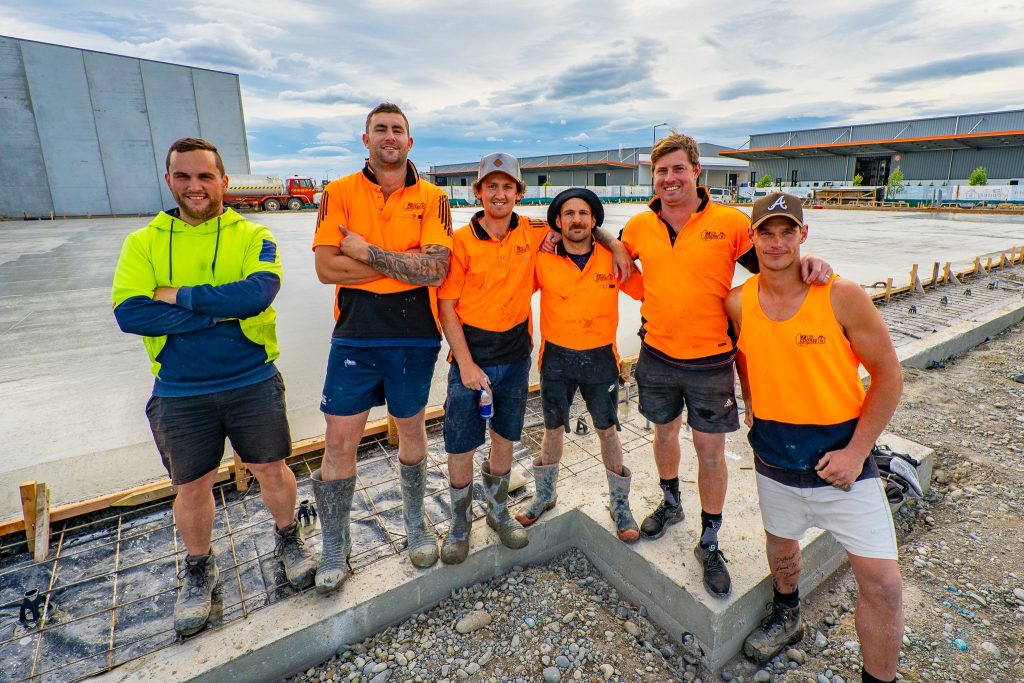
x: 221, y: 333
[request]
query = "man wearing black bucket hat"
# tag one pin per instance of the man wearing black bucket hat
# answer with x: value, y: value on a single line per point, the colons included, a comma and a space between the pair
x: 578, y: 319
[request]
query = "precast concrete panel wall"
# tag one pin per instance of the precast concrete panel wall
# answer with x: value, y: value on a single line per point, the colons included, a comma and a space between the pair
x: 23, y: 180
x: 86, y: 133
x: 172, y: 113
x: 59, y: 89
x: 220, y: 113
x: 122, y: 127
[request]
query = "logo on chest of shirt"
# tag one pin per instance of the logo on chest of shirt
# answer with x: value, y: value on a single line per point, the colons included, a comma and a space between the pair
x: 709, y: 235
x: 521, y: 249
x: 605, y: 280
x: 810, y: 339
x: 415, y: 208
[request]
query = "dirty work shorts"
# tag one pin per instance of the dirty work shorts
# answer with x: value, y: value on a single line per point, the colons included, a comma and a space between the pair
x: 463, y: 426
x: 708, y: 391
x: 361, y: 377
x: 593, y: 371
x: 859, y: 518
x: 189, y: 430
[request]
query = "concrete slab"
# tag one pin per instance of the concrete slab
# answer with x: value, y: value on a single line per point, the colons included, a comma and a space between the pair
x: 662, y: 575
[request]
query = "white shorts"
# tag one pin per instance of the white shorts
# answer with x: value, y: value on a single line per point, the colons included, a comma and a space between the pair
x: 859, y: 518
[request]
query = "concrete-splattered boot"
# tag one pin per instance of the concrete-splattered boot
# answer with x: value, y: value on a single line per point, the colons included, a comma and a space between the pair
x: 511, y: 532
x: 618, y: 505
x: 420, y: 537
x: 544, y: 496
x: 456, y: 544
x: 333, y: 503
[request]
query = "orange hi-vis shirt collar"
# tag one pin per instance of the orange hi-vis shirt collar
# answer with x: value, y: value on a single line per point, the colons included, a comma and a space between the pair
x: 416, y: 215
x: 685, y: 283
x: 579, y: 309
x: 802, y: 371
x: 492, y: 280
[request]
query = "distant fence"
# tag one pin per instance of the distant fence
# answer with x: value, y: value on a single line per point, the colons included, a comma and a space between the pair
x: 913, y: 195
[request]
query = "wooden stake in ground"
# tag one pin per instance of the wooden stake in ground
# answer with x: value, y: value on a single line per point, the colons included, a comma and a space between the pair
x: 35, y: 506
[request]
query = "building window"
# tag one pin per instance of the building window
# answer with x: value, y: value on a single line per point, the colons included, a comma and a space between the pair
x: 541, y: 179
x: 462, y: 181
x: 600, y: 179
x: 442, y: 180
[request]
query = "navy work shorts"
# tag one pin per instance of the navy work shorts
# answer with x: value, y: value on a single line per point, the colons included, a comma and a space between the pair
x: 361, y: 377
x: 463, y: 426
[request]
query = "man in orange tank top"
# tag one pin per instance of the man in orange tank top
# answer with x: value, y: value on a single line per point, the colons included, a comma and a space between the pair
x: 812, y: 430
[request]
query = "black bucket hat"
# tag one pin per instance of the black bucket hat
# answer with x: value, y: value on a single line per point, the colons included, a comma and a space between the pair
x: 575, y: 193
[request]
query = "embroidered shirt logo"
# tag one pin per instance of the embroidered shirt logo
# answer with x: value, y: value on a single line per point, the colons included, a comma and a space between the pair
x: 415, y: 206
x: 810, y: 339
x: 521, y: 249
x: 603, y: 277
x: 708, y: 235
x: 779, y: 203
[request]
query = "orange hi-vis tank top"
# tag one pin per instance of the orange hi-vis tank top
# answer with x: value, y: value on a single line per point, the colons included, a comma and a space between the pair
x: 805, y: 386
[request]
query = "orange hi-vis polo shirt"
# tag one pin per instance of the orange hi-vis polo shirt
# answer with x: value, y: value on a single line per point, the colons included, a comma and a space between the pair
x: 416, y: 215
x: 685, y: 282
x: 805, y: 385
x: 579, y: 309
x: 492, y: 282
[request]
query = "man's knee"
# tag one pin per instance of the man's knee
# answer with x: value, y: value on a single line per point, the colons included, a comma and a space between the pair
x: 710, y: 449
x: 879, y: 582
x: 668, y: 431
x: 197, y: 490
x: 411, y: 427
x: 268, y: 472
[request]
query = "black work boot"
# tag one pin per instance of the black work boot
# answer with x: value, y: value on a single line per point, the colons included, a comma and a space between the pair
x: 780, y: 628
x: 198, y: 577
x: 298, y: 561
x: 716, y: 576
x: 655, y: 524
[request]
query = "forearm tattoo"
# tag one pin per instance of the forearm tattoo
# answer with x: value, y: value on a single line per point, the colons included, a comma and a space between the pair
x: 603, y: 238
x: 429, y: 268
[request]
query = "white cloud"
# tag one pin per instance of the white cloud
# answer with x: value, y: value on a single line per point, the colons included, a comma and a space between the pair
x: 580, y: 137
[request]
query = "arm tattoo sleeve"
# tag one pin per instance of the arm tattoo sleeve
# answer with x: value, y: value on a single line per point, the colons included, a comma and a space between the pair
x: 602, y: 237
x: 429, y: 268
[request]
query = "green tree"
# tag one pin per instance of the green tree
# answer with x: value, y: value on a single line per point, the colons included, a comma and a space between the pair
x: 896, y: 183
x: 764, y: 181
x: 979, y: 176
x: 858, y: 180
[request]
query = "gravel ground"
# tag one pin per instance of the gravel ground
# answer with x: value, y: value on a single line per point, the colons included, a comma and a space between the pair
x: 962, y: 558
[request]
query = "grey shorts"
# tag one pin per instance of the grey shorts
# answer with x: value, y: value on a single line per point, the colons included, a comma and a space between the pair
x: 708, y: 392
x: 190, y: 430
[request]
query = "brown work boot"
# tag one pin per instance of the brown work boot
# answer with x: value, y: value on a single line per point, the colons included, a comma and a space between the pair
x: 298, y: 561
x: 780, y: 628
x: 198, y: 577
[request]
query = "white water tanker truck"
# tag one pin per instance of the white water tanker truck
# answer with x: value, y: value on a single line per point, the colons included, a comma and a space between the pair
x: 269, y: 192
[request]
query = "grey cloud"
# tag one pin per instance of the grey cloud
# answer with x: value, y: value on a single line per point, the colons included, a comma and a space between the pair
x: 611, y: 78
x: 745, y: 88
x: 965, y: 65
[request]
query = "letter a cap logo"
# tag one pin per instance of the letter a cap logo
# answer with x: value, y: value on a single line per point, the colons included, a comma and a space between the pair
x: 777, y: 204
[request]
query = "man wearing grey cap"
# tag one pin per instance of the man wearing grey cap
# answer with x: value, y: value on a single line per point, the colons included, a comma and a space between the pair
x: 484, y: 309
x: 579, y: 314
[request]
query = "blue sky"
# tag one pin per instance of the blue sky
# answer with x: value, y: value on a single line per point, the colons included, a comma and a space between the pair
x: 547, y: 77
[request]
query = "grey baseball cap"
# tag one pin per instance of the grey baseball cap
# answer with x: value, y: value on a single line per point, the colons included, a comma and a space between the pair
x: 499, y: 162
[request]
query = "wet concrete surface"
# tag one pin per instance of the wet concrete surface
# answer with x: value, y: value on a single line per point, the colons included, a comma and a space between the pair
x: 73, y: 387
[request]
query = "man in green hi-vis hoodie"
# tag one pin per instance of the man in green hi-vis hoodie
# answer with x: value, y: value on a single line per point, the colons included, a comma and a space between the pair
x: 196, y: 284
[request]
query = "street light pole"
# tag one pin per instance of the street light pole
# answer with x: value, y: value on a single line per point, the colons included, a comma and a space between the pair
x: 654, y: 141
x: 586, y: 160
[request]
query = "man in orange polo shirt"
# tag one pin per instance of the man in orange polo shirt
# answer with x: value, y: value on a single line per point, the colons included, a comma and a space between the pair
x: 484, y: 307
x: 579, y: 316
x: 688, y: 247
x: 384, y: 238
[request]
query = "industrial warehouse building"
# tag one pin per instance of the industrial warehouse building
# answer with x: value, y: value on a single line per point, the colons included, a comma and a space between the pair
x: 622, y: 167
x: 938, y: 151
x: 86, y: 133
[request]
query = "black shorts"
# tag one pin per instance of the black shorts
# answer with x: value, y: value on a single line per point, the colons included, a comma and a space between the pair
x: 707, y: 391
x: 189, y: 430
x: 594, y: 372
